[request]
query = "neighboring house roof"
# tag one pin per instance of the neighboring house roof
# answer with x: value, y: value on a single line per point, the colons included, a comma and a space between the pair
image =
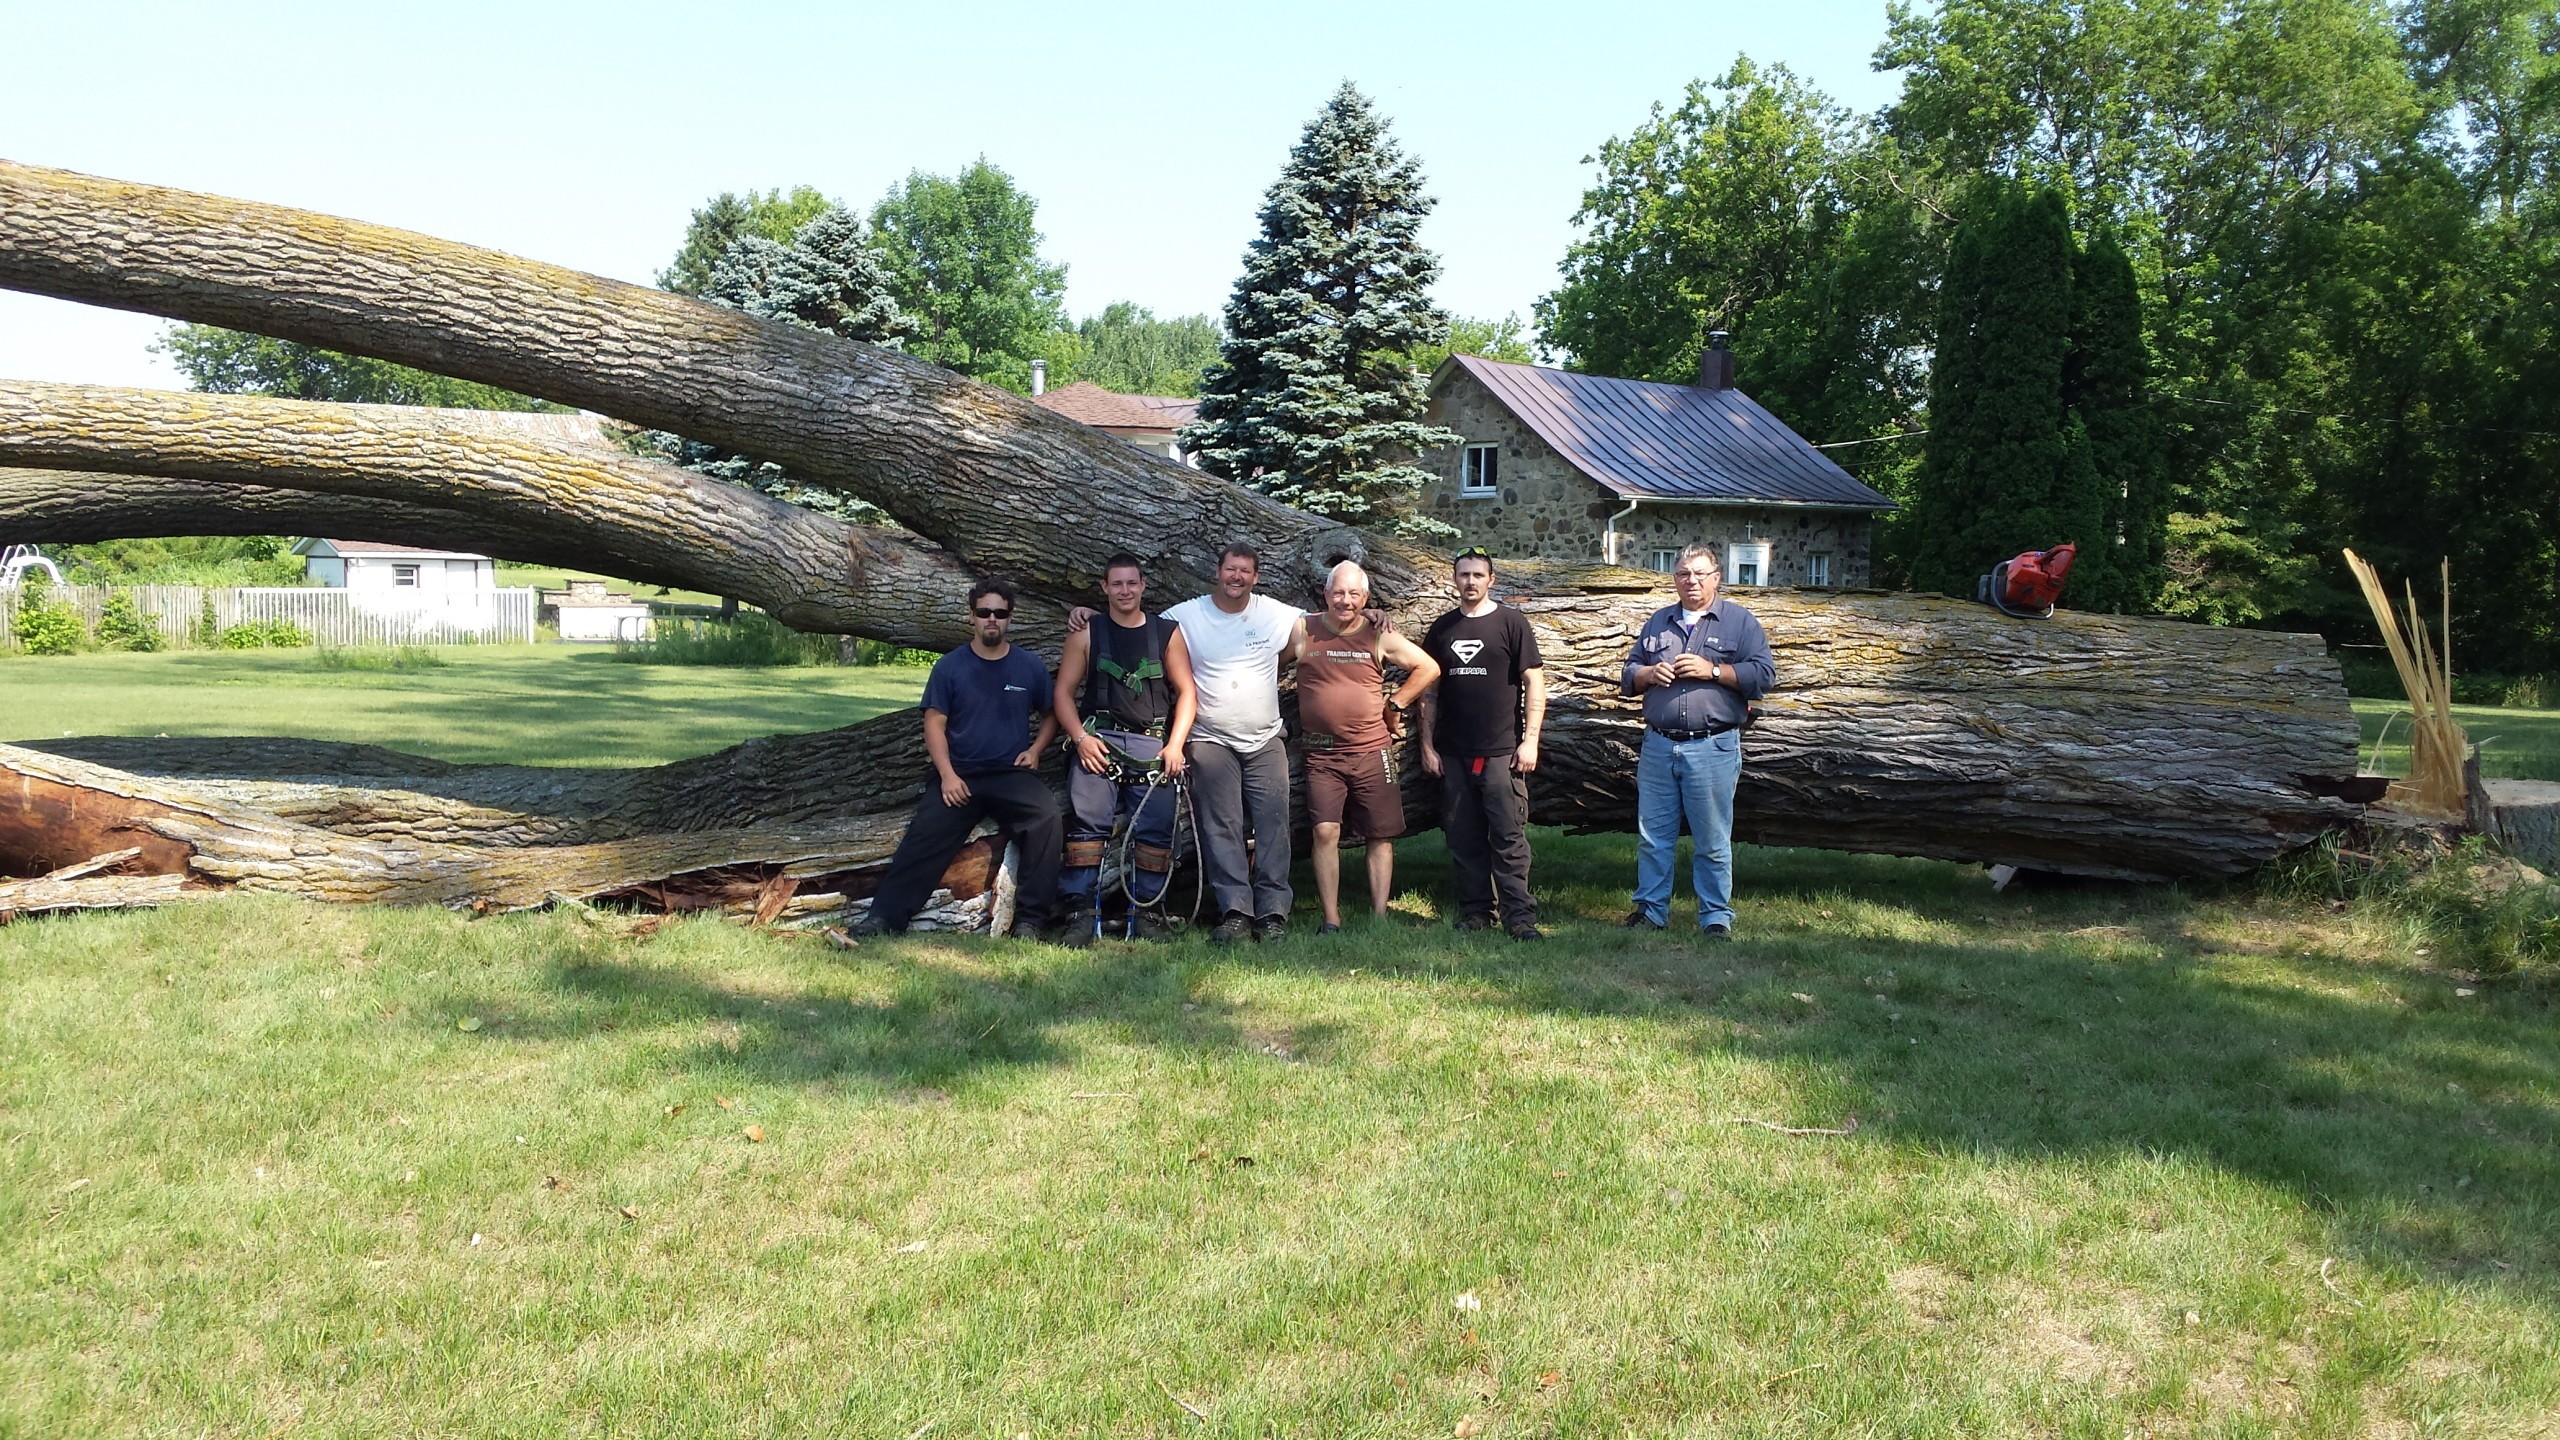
x: 1102, y: 409
x: 1647, y: 440
x: 361, y: 549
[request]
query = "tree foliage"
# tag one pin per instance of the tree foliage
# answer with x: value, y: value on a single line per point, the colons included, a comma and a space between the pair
x: 962, y: 253
x: 1127, y: 349
x: 1314, y: 399
x: 2340, y: 251
x: 233, y: 362
x: 1503, y: 339
x: 773, y: 215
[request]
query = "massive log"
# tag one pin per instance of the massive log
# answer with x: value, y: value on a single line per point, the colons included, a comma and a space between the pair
x: 535, y: 491
x: 1905, y: 724
x: 959, y: 462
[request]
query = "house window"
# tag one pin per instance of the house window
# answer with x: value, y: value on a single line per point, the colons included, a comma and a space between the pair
x: 1817, y: 570
x: 1477, y: 469
x: 1747, y: 564
x: 405, y: 575
x: 1664, y: 558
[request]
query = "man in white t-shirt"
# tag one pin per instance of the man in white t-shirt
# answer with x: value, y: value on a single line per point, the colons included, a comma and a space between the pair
x: 1238, y: 641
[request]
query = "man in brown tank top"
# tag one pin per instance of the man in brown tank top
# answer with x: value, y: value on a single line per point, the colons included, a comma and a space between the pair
x: 1349, y: 727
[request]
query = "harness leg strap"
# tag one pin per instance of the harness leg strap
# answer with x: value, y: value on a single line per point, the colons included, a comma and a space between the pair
x: 1085, y: 854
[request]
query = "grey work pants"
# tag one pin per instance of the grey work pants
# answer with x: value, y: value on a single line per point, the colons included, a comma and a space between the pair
x: 1236, y: 794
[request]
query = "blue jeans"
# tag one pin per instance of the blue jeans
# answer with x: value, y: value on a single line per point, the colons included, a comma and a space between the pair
x: 1694, y: 778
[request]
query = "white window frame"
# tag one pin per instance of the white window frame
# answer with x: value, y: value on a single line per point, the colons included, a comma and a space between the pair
x: 1747, y: 555
x: 1817, y: 571
x: 404, y: 577
x: 1662, y: 558
x: 1471, y: 484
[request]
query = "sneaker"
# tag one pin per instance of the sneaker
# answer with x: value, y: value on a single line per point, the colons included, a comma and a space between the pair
x: 1719, y: 932
x: 1638, y: 920
x: 1329, y: 928
x: 1271, y: 927
x: 1234, y: 930
x: 1469, y: 924
x: 1529, y: 931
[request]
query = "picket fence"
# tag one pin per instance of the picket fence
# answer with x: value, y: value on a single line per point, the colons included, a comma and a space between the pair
x: 333, y: 617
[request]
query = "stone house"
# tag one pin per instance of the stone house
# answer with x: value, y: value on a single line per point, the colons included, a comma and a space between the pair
x: 1566, y: 466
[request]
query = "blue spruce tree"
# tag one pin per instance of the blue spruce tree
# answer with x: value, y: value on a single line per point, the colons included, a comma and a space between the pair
x: 828, y: 278
x: 1313, y: 400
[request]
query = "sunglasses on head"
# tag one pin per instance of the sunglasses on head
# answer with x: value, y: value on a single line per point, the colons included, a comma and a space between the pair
x: 984, y: 613
x: 1473, y: 552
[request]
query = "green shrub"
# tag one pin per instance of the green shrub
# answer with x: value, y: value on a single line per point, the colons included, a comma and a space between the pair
x: 402, y: 660
x: 208, y: 627
x: 750, y: 639
x: 264, y: 635
x: 122, y: 626
x: 46, y: 625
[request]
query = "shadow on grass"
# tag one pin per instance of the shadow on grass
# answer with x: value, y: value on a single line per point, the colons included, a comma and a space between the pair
x: 2093, y: 1022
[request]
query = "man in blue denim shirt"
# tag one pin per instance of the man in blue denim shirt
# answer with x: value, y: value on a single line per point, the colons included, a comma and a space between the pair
x: 1697, y: 664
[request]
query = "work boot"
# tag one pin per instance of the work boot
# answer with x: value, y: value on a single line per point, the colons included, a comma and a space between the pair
x: 1638, y: 920
x: 1271, y: 927
x: 1147, y: 924
x: 1470, y: 924
x: 1233, y: 930
x: 1073, y: 930
x: 866, y: 928
x: 1527, y: 931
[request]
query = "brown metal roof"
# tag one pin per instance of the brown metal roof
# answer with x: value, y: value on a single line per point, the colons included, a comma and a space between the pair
x: 1644, y: 439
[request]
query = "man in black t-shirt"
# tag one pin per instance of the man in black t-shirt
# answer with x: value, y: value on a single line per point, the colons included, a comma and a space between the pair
x: 1480, y: 736
x: 978, y: 708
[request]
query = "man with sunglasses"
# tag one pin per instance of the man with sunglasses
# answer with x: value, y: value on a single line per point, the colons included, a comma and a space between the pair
x: 1480, y: 727
x: 978, y: 708
x: 1698, y: 663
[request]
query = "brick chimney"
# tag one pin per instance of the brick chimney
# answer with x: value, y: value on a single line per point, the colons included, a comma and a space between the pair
x: 1715, y: 363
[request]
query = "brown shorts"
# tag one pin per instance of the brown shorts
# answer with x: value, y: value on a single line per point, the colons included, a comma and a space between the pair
x: 1352, y: 789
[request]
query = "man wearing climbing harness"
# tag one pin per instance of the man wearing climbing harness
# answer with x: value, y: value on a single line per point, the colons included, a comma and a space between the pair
x: 1349, y: 727
x: 1124, y: 701
x: 1698, y: 664
x: 1480, y: 736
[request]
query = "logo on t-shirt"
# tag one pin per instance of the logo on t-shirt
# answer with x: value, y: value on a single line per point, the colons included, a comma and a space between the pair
x: 1466, y: 650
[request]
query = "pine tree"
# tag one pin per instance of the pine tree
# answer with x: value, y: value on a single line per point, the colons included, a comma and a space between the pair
x: 2107, y: 384
x: 2005, y: 470
x: 1313, y: 400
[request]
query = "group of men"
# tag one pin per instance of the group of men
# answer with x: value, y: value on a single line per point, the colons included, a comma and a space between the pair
x: 1153, y: 705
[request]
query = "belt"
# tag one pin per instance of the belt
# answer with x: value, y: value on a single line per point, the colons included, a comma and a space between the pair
x: 1677, y: 736
x: 1153, y: 731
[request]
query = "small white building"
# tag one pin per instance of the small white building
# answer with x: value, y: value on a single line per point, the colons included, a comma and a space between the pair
x: 375, y: 571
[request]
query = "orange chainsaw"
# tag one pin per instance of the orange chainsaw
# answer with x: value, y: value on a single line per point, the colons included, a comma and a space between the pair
x: 2027, y: 585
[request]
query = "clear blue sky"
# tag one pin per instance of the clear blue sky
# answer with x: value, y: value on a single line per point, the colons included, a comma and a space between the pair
x: 584, y: 134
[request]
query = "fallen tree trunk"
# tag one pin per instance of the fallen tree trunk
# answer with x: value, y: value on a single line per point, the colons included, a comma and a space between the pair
x: 1904, y: 724
x: 636, y: 518
x: 953, y: 459
x: 49, y: 802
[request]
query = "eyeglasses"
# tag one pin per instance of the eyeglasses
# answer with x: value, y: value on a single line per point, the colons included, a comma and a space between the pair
x: 1473, y: 552
x: 985, y: 614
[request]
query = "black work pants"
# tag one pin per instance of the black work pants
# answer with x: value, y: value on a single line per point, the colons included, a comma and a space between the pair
x: 1018, y: 800
x: 1485, y: 816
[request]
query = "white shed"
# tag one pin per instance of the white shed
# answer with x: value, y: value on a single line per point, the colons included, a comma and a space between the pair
x: 404, y: 572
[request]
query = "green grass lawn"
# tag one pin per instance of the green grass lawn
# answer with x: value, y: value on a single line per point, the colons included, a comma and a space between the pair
x: 2514, y: 744
x: 2121, y: 1160
x: 536, y: 704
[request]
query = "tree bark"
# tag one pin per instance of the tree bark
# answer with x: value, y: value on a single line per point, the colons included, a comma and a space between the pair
x: 961, y: 463
x: 51, y: 805
x: 1904, y: 724
x: 637, y: 518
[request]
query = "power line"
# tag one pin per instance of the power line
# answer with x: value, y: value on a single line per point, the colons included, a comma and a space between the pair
x: 1870, y: 440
